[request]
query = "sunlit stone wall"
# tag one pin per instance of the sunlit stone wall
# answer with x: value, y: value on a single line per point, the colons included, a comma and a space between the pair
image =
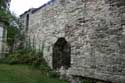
x: 94, y: 28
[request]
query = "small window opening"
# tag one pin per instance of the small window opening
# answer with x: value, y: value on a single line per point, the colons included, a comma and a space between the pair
x: 27, y: 22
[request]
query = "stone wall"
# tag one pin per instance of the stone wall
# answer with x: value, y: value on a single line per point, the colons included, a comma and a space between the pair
x: 3, y: 46
x: 95, y: 30
x: 1, y: 38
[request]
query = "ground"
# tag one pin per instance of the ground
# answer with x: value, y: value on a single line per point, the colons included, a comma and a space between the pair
x: 24, y: 74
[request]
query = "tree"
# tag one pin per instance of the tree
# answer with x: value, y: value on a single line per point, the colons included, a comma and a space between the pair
x: 5, y: 14
x: 11, y: 23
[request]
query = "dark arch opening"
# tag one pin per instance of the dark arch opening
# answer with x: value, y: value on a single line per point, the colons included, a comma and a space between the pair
x: 61, y: 54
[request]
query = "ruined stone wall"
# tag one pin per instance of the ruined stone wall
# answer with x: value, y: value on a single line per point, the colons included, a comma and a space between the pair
x: 3, y: 36
x: 95, y: 30
x: 1, y: 42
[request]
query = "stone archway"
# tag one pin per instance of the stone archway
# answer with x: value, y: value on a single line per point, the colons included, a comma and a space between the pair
x: 61, y: 54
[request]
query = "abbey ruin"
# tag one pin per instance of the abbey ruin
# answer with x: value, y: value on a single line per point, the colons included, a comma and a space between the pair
x: 3, y: 31
x: 89, y: 33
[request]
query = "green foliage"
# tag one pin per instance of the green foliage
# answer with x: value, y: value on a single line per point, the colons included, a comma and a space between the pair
x: 28, y: 56
x: 22, y: 57
x: 5, y: 16
x: 11, y: 35
x: 14, y: 33
x: 86, y: 81
x: 54, y: 74
x: 3, y: 4
x: 11, y: 23
x: 24, y: 74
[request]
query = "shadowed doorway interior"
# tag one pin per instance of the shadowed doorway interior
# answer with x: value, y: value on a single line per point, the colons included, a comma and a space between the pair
x: 61, y: 54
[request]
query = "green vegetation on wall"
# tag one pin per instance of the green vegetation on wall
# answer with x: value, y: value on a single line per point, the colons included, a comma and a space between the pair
x: 5, y: 15
x: 10, y: 21
x: 11, y: 34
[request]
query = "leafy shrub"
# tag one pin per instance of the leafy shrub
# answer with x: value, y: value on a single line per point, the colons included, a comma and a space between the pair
x: 12, y: 59
x: 54, y: 74
x: 44, y: 67
x: 86, y: 81
x: 25, y: 57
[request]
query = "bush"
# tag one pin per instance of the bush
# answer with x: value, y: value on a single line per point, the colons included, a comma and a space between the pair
x: 86, y: 81
x: 12, y: 59
x: 25, y: 57
x: 28, y: 56
x: 54, y: 74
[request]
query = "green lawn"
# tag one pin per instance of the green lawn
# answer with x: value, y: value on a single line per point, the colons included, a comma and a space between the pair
x: 24, y: 74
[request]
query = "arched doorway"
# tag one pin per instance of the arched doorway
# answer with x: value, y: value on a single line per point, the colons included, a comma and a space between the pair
x: 61, y: 54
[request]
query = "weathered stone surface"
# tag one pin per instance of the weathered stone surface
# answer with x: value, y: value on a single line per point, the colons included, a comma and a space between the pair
x: 3, y: 46
x: 95, y: 30
x: 1, y: 42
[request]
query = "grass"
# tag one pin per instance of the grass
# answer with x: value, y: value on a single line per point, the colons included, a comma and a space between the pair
x: 24, y: 74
